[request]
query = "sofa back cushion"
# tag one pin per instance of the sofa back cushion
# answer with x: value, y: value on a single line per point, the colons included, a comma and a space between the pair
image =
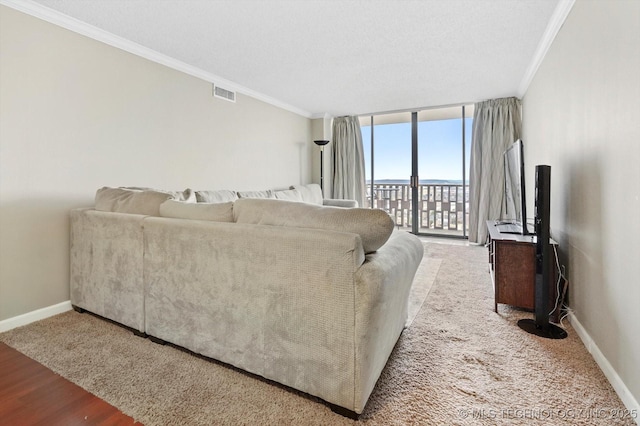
x: 373, y: 225
x: 217, y: 212
x: 134, y: 201
x: 217, y: 196
x: 310, y: 193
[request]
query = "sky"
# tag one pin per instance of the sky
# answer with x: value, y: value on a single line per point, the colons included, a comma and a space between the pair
x: 439, y: 150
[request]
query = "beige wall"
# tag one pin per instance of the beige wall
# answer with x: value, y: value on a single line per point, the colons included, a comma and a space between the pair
x: 581, y: 116
x: 76, y: 114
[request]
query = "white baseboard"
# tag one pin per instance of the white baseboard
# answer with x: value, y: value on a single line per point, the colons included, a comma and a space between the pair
x: 37, y: 315
x: 610, y: 373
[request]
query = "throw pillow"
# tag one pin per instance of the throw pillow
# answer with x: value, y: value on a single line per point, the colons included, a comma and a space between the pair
x: 217, y: 196
x: 373, y: 225
x: 256, y: 194
x: 289, y: 195
x: 310, y: 193
x: 122, y: 200
x: 187, y: 195
x: 217, y: 212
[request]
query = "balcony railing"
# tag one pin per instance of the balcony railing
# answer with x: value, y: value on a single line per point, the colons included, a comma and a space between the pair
x: 440, y: 206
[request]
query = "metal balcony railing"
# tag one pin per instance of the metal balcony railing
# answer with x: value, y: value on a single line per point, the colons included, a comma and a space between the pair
x: 440, y: 206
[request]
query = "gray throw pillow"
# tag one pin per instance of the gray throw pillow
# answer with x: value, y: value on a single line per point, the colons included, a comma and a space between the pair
x: 122, y: 200
x: 217, y: 196
x: 256, y: 194
x: 186, y: 195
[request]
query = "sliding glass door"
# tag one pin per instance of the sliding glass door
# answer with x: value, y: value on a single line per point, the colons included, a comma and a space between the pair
x: 387, y: 143
x: 417, y: 166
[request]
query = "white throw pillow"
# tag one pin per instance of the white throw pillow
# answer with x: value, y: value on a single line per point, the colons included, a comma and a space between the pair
x: 310, y: 193
x: 289, y: 195
x: 217, y: 212
x: 187, y: 195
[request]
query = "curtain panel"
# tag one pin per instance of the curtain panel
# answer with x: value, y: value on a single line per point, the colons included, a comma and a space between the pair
x: 348, y: 160
x: 497, y: 123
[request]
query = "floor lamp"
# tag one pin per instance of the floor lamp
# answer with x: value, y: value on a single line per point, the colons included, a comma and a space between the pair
x: 321, y: 144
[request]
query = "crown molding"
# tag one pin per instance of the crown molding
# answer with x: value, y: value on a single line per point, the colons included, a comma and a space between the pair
x: 325, y: 116
x: 54, y: 17
x: 553, y: 27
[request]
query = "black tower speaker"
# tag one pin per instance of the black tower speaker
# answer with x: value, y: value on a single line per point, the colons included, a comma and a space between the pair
x: 544, y: 258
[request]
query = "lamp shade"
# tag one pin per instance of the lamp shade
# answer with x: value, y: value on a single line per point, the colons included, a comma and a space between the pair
x: 321, y: 143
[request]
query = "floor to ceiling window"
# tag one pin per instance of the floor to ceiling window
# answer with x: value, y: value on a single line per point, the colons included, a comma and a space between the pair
x: 417, y: 166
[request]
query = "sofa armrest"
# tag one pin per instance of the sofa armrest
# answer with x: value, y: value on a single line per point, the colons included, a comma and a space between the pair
x: 383, y: 284
x: 106, y: 255
x: 334, y: 202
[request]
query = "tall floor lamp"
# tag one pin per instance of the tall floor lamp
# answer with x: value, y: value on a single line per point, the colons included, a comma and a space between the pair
x: 321, y: 144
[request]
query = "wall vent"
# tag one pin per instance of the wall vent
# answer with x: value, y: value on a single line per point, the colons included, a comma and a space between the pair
x: 227, y: 95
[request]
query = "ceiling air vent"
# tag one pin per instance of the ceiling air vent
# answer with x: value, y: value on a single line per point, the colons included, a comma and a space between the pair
x: 225, y: 94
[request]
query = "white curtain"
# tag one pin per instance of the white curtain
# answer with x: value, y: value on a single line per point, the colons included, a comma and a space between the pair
x: 497, y: 123
x: 348, y: 160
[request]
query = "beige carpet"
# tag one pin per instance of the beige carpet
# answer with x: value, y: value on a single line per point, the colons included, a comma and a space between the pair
x: 458, y: 364
x: 425, y: 277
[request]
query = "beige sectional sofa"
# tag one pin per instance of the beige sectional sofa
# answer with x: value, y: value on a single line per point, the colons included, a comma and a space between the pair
x: 310, y: 296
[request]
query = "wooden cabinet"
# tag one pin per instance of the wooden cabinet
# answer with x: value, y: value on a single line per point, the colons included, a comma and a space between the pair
x: 512, y: 260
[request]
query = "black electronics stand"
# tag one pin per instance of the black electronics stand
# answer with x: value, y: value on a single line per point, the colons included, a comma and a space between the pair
x: 541, y: 326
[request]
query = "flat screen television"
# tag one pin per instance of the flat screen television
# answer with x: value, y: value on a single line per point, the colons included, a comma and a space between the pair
x: 514, y: 220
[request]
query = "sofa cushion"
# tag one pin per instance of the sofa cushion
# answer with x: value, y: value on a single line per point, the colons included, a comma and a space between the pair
x: 217, y: 212
x: 338, y: 202
x: 256, y: 194
x: 310, y: 193
x: 373, y: 225
x: 289, y: 195
x: 134, y: 201
x: 217, y: 196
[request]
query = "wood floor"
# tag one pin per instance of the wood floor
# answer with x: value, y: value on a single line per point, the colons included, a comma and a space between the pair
x: 31, y: 394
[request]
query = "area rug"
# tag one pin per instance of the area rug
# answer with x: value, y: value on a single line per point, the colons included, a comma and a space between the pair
x: 459, y: 363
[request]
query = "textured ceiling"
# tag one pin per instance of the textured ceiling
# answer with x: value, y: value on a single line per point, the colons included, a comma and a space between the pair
x: 339, y: 57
